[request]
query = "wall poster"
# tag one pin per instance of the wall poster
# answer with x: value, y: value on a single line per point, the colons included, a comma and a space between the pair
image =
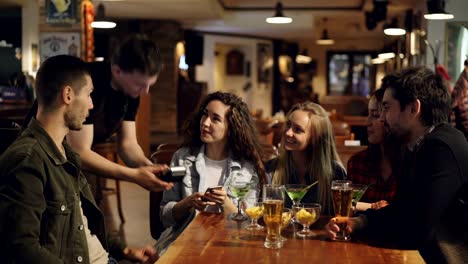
x: 61, y: 11
x: 58, y: 43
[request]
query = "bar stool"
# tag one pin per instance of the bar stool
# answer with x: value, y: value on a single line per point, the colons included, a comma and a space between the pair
x: 109, y: 151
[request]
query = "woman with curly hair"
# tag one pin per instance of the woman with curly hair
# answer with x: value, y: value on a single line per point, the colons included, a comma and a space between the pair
x: 308, y: 155
x: 220, y: 141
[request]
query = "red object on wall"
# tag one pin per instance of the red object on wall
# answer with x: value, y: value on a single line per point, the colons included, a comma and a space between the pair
x: 87, y: 32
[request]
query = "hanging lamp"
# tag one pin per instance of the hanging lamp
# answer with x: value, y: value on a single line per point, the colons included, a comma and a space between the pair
x: 279, y: 17
x: 100, y: 20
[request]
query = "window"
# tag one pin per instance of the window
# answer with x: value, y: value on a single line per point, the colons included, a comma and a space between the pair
x: 350, y: 73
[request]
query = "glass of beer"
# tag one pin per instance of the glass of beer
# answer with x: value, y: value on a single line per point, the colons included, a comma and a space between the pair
x: 273, y: 204
x: 342, y: 195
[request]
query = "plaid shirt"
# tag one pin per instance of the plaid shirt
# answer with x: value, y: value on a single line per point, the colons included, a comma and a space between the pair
x: 363, y: 168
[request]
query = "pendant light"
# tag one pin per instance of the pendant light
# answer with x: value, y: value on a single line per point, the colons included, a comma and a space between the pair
x: 100, y: 21
x: 436, y: 10
x: 279, y: 18
x: 325, y: 39
x: 393, y: 29
x: 303, y: 58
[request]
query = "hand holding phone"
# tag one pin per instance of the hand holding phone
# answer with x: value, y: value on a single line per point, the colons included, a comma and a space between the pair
x: 209, y: 191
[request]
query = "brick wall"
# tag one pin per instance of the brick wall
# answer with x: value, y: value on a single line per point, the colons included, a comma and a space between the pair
x: 164, y: 93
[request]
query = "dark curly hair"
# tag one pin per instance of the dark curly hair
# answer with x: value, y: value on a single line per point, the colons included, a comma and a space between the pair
x: 242, y: 143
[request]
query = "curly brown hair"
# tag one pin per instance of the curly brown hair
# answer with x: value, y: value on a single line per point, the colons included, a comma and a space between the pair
x: 243, y: 143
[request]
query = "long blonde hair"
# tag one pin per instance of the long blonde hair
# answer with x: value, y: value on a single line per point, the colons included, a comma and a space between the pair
x: 321, y: 152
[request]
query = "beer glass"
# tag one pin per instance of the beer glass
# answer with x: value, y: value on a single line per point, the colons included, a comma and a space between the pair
x: 342, y: 195
x: 273, y: 204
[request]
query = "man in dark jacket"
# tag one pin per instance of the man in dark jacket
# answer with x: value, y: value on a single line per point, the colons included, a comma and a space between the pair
x: 430, y: 209
x: 47, y: 211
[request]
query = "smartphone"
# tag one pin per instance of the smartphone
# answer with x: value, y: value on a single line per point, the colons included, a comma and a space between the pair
x: 174, y: 174
x: 211, y: 189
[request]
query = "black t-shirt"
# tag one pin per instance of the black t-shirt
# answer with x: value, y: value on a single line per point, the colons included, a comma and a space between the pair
x: 111, y: 107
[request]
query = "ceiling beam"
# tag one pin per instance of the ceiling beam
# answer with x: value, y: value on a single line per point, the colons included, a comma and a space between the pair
x: 296, y: 8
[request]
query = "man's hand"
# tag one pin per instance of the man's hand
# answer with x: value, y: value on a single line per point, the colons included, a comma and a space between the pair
x: 146, y: 255
x: 146, y: 177
x: 353, y: 224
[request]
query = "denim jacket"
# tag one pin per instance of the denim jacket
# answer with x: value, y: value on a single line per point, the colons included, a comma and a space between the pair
x: 40, y: 194
x: 195, y: 178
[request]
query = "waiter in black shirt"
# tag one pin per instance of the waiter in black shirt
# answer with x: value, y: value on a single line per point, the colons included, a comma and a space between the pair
x: 133, y: 69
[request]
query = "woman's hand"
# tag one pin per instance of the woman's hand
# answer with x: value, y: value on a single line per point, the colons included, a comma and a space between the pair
x: 216, y: 196
x: 219, y: 196
x: 379, y: 204
x: 184, y: 207
x: 196, y: 200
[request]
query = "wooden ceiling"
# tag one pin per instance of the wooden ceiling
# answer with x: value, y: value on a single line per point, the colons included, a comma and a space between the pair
x: 346, y: 19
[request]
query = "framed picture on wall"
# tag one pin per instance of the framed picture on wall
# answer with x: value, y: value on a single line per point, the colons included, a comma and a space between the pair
x: 34, y: 57
x: 235, y: 62
x: 61, y: 11
x: 264, y: 62
x: 59, y: 43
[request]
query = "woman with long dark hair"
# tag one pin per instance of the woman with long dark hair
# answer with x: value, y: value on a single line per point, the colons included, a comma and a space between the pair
x: 220, y: 141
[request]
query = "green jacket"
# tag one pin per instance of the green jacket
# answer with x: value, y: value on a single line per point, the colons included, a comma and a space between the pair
x: 40, y: 193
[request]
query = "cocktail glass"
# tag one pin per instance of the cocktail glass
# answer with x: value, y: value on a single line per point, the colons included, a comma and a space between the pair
x: 239, y: 190
x: 296, y: 192
x: 273, y: 204
x: 253, y: 208
x: 358, y: 192
x: 342, y: 195
x: 286, y: 218
x: 306, y: 215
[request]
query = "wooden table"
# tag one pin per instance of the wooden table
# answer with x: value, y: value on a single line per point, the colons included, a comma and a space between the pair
x: 211, y: 238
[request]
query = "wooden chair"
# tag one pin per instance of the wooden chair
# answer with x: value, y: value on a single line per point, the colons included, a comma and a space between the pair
x: 345, y: 152
x: 265, y: 130
x: 269, y: 152
x: 8, y: 136
x: 340, y: 128
x: 340, y: 140
x: 168, y: 146
x: 109, y: 151
x: 156, y: 226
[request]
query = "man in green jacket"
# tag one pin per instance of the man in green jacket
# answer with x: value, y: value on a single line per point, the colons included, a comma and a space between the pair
x: 47, y: 211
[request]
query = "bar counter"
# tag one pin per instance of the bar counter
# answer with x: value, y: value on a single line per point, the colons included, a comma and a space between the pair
x: 212, y: 238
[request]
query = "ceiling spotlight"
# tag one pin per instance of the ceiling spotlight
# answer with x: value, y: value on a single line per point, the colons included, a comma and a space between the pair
x: 325, y: 39
x: 100, y: 21
x: 303, y: 58
x: 436, y: 10
x: 377, y: 60
x: 386, y: 55
x: 393, y: 29
x: 279, y: 18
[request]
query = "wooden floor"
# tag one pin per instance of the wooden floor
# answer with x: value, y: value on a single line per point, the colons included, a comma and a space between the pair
x: 135, y: 204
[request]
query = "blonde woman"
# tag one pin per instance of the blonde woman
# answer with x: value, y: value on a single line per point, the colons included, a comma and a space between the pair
x: 308, y: 154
